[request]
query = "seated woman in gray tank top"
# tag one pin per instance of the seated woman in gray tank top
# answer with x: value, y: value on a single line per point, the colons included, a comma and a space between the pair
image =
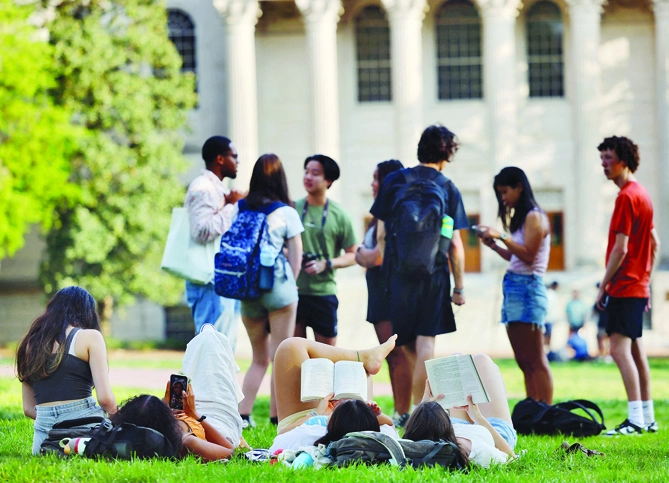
x: 60, y: 360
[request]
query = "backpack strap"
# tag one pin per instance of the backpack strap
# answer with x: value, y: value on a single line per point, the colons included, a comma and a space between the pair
x: 585, y: 406
x: 73, y: 423
x: 397, y: 456
x: 428, y: 457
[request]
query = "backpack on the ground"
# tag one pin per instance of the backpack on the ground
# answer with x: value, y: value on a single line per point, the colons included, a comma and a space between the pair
x: 537, y: 417
x: 419, y: 208
x: 237, y: 264
x: 370, y: 447
x: 100, y: 438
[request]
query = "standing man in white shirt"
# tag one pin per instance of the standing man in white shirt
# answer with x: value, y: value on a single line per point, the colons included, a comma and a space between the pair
x: 209, y: 203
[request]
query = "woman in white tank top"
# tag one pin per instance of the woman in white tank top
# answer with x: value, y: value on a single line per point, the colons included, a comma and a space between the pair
x: 525, y: 302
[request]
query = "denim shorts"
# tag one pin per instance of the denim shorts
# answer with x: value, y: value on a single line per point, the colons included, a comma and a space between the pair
x: 283, y: 293
x: 504, y: 428
x: 47, y: 416
x: 524, y: 299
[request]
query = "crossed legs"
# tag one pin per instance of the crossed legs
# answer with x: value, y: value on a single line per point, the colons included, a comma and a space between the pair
x: 293, y: 352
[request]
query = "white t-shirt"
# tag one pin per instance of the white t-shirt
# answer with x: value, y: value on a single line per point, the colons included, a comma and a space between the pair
x: 483, y: 451
x: 306, y: 435
x: 282, y: 224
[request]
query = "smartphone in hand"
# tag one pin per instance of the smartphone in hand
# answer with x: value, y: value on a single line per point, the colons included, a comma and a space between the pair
x: 477, y: 231
x: 178, y: 384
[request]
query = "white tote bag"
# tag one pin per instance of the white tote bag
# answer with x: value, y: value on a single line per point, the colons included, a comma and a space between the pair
x: 183, y: 256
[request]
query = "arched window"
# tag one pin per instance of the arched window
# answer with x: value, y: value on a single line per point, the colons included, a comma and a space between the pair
x: 545, y: 58
x: 459, y: 50
x: 372, y: 36
x: 182, y: 34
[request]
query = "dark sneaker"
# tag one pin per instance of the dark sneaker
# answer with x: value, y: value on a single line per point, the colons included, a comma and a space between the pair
x: 651, y: 428
x: 248, y: 422
x: 625, y: 429
x: 401, y: 420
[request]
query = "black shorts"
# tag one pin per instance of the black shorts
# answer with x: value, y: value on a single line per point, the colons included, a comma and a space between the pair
x: 378, y: 296
x: 421, y: 307
x: 625, y: 316
x: 319, y: 312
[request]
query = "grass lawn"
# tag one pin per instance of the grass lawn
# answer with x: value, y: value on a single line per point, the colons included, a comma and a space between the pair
x: 642, y: 459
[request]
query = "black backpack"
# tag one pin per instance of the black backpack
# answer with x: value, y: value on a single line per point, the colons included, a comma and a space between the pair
x: 370, y: 447
x: 418, y: 210
x: 537, y: 417
x: 125, y: 441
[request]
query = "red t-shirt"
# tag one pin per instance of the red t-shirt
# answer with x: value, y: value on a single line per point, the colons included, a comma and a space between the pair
x: 632, y: 216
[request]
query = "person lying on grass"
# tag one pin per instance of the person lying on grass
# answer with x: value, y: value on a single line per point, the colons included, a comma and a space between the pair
x: 211, y: 427
x: 312, y: 423
x: 483, y: 432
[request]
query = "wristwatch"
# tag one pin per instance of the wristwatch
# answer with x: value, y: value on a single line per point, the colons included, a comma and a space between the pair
x: 328, y: 265
x: 504, y: 237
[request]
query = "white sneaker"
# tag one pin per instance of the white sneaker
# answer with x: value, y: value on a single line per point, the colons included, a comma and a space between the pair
x: 651, y: 428
x: 625, y: 428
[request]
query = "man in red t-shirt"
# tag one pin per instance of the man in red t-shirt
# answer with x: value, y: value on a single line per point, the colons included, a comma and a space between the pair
x: 624, y: 292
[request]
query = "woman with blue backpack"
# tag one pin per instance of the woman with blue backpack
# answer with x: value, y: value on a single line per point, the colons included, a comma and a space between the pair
x: 270, y: 318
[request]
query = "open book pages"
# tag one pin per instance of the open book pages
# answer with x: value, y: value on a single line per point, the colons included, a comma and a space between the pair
x: 455, y: 377
x: 320, y: 377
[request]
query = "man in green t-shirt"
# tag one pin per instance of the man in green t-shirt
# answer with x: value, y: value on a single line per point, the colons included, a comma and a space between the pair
x: 327, y: 231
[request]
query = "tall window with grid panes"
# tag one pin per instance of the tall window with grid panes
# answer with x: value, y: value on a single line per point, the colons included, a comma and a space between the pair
x: 458, y: 33
x: 372, y: 36
x: 545, y: 57
x: 182, y: 34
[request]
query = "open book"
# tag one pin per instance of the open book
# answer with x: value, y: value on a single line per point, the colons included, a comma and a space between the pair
x: 455, y: 377
x: 346, y: 379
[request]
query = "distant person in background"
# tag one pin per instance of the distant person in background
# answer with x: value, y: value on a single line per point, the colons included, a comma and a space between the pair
x: 551, y: 316
x: 209, y: 203
x: 378, y: 304
x: 578, y: 346
x: 576, y: 311
x: 624, y: 292
x: 527, y: 249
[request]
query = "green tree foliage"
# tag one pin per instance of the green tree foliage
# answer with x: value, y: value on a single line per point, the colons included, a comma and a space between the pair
x: 36, y: 137
x: 120, y: 73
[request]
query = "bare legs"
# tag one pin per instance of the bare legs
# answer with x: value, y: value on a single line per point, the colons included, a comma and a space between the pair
x: 498, y: 407
x: 417, y: 352
x: 301, y: 331
x: 398, y: 367
x: 293, y: 352
x: 264, y: 346
x: 630, y: 357
x: 527, y: 343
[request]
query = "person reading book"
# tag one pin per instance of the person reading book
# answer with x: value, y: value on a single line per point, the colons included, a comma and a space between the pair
x: 483, y: 432
x: 345, y: 379
x: 456, y: 377
x: 313, y: 422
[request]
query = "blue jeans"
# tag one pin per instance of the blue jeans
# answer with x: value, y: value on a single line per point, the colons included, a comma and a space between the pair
x: 47, y: 416
x: 207, y: 307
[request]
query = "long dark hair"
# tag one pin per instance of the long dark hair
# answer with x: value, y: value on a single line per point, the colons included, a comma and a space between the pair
x: 430, y: 421
x: 150, y: 412
x: 71, y: 306
x: 350, y: 415
x: 268, y: 182
x: 513, y: 219
x: 384, y: 168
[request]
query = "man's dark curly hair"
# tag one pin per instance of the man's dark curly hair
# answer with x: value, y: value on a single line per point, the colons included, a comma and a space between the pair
x: 436, y: 144
x: 625, y: 149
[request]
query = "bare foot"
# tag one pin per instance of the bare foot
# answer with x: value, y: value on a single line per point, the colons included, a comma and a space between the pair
x: 372, y: 359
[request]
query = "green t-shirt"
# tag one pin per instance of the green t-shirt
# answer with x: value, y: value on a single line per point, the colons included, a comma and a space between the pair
x: 328, y: 242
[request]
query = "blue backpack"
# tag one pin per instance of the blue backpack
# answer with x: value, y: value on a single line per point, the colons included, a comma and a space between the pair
x: 237, y: 265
